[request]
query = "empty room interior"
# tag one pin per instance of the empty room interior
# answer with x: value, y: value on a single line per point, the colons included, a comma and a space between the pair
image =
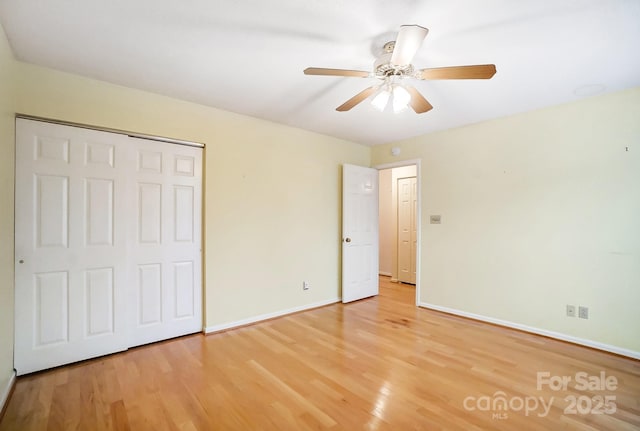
x: 320, y: 215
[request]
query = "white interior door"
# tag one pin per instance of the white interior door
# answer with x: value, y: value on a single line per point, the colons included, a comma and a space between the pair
x: 70, y: 247
x: 359, y: 232
x: 165, y: 249
x: 407, y: 230
x: 107, y: 243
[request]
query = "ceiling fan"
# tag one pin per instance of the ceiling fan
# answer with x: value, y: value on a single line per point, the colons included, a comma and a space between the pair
x: 394, y: 66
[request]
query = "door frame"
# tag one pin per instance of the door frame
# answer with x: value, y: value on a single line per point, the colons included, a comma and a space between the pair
x: 417, y: 164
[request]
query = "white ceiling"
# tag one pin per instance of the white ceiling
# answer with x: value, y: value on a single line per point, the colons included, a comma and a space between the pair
x: 247, y: 56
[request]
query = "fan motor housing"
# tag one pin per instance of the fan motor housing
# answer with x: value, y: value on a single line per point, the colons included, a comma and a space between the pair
x: 383, y: 68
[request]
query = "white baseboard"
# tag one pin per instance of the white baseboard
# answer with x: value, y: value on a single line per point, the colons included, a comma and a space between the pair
x: 551, y: 334
x: 7, y: 390
x: 260, y: 318
x: 386, y: 274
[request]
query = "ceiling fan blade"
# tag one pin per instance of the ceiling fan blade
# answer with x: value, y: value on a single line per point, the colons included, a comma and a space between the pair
x: 356, y: 99
x: 409, y: 39
x: 336, y: 72
x: 418, y: 102
x: 480, y: 71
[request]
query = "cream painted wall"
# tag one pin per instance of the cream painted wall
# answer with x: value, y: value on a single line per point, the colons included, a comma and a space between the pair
x: 539, y: 210
x: 272, y: 192
x: 7, y: 131
x: 385, y: 223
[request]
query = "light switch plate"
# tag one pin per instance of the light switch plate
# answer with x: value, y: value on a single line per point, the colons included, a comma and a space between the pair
x: 434, y: 219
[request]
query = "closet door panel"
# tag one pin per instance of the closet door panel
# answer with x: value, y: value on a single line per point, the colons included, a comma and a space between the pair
x: 167, y: 237
x: 70, y: 233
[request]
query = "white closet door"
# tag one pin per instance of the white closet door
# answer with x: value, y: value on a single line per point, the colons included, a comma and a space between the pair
x: 108, y: 243
x: 165, y: 242
x: 70, y: 245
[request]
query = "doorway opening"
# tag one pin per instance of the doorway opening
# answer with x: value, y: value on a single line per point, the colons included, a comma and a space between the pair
x: 399, y: 236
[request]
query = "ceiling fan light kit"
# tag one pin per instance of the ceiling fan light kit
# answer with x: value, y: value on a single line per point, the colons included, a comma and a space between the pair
x: 395, y: 92
x: 395, y: 65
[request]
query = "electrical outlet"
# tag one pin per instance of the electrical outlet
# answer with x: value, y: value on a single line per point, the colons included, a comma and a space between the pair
x: 583, y: 312
x: 306, y: 285
x: 571, y: 310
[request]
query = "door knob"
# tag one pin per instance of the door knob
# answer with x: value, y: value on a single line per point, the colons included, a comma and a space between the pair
x: 347, y: 239
x: 21, y: 261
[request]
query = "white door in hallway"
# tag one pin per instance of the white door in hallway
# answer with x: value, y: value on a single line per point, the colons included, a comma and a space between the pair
x: 70, y: 249
x: 359, y: 232
x: 165, y: 242
x: 407, y: 229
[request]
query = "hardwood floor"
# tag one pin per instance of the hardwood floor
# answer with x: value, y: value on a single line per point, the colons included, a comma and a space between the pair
x: 377, y: 364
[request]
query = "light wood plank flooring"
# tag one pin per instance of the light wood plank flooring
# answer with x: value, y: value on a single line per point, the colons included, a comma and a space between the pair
x: 377, y: 364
